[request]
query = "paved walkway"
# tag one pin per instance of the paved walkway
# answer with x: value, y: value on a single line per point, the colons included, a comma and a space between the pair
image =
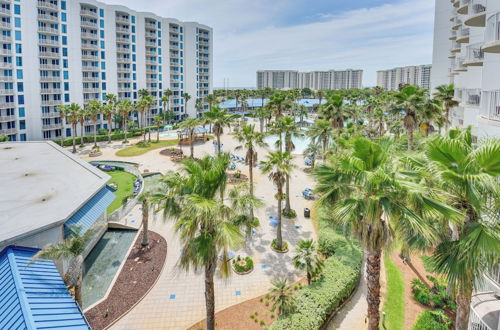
x: 177, y: 300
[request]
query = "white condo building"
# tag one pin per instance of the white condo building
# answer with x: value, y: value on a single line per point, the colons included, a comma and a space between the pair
x: 314, y: 80
x: 467, y: 53
x: 57, y: 52
x: 393, y: 79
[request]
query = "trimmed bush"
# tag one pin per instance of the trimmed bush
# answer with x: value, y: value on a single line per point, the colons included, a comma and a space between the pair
x: 432, y: 320
x: 315, y: 303
x: 284, y: 246
x: 242, y: 265
x: 437, y: 297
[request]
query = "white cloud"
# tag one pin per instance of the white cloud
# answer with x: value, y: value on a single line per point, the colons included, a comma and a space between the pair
x: 247, y: 36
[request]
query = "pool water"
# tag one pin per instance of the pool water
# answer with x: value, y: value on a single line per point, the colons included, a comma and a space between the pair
x: 102, y: 263
x: 152, y: 182
x: 300, y: 143
x: 168, y: 134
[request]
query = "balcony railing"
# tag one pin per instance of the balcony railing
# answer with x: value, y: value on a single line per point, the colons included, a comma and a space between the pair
x: 49, y: 54
x: 492, y: 34
x: 476, y: 13
x: 7, y: 118
x: 455, y: 47
x: 87, y: 12
x: 5, y: 51
x: 5, y: 65
x: 475, y: 322
x: 5, y: 25
x: 88, y: 23
x: 48, y: 42
x: 121, y: 19
x: 87, y: 45
x: 50, y: 79
x: 46, y: 29
x: 47, y: 5
x: 51, y: 102
x: 472, y: 97
x: 92, y: 36
x: 463, y: 35
x: 8, y: 131
x: 490, y: 105
x: 90, y: 79
x: 51, y: 114
x: 474, y: 56
x: 50, y: 18
x: 4, y: 91
x: 52, y: 126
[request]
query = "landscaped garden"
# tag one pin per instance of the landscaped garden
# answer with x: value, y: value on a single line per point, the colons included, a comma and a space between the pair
x: 141, y: 148
x: 124, y: 183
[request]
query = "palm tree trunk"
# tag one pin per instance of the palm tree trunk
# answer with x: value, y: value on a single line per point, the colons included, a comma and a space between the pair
x: 125, y: 130
x: 109, y: 129
x: 145, y: 222
x: 78, y: 291
x: 279, y: 239
x: 309, y: 278
x: 218, y: 142
x: 325, y: 145
x: 287, y: 195
x: 373, y: 283
x: 410, y: 139
x: 74, y: 140
x: 210, y: 295
x: 158, y: 133
x: 81, y: 134
x: 464, y: 298
x: 250, y: 174
x: 95, y: 134
x: 191, y: 146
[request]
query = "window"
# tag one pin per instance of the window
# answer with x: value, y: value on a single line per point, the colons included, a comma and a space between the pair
x: 64, y: 28
x: 63, y: 5
x: 18, y: 35
x: 19, y: 49
x: 103, y: 86
x: 103, y: 55
x: 20, y: 99
x: 17, y: 9
x: 20, y: 87
x: 65, y: 52
x: 19, y: 74
x: 19, y: 61
x: 133, y: 28
x: 102, y: 44
x: 101, y: 23
x: 64, y: 40
x: 23, y: 137
x: 102, y: 34
x: 21, y: 112
x: 22, y: 124
x: 133, y: 19
x: 17, y: 22
x: 101, y: 12
x: 66, y: 98
x: 66, y: 75
x: 63, y: 17
x: 103, y: 65
x: 66, y: 86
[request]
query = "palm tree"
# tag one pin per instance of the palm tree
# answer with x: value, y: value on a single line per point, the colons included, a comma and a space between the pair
x: 108, y: 111
x: 218, y: 118
x: 93, y: 111
x: 446, y: 94
x: 281, y: 295
x: 165, y: 101
x: 63, y: 113
x: 307, y: 259
x: 112, y: 100
x: 321, y: 132
x: 301, y: 113
x: 320, y: 94
x: 210, y: 99
x: 277, y: 166
x: 410, y: 99
x: 362, y: 190
x: 431, y: 112
x: 244, y: 202
x: 278, y: 102
x: 124, y: 108
x: 333, y: 110
x: 312, y: 151
x: 82, y: 117
x: 204, y: 223
x: 190, y: 125
x: 145, y: 200
x: 71, y: 249
x: 262, y: 113
x: 470, y: 176
x: 143, y: 105
x: 186, y: 98
x: 250, y: 139
x: 73, y: 117
x: 158, y: 121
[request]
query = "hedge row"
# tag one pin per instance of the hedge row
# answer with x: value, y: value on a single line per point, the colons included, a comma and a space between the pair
x: 315, y: 303
x: 116, y: 135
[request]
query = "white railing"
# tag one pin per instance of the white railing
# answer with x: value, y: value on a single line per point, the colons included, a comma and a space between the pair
x: 464, y: 2
x: 88, y: 12
x: 50, y: 18
x: 88, y: 23
x: 492, y: 33
x: 475, y: 322
x: 472, y: 97
x: 45, y: 29
x: 477, y: 7
x: 7, y: 118
x: 490, y: 105
x: 474, y: 53
x: 46, y: 4
x: 88, y: 45
x: 464, y: 32
x: 8, y: 131
x: 121, y: 19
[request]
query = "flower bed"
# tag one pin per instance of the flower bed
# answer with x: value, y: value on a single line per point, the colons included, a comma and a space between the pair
x: 242, y: 266
x: 275, y: 248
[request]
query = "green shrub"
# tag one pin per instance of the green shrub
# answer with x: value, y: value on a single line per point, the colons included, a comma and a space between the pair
x: 243, y: 267
x: 432, y: 320
x: 292, y: 214
x: 284, y: 245
x: 436, y: 297
x: 314, y: 303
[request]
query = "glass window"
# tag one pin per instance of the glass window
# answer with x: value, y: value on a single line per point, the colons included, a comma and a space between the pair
x: 103, y: 55
x: 66, y: 98
x: 64, y: 28
x: 20, y: 99
x: 101, y: 12
x: 103, y: 86
x: 65, y: 74
x: 133, y: 38
x: 22, y: 124
x: 17, y: 22
x: 19, y: 74
x: 17, y: 9
x: 21, y: 112
x: 19, y: 61
x: 65, y: 63
x: 63, y: 17
x: 18, y: 35
x: 65, y: 51
x: 64, y: 40
x: 102, y: 34
x: 102, y: 44
x: 133, y: 28
x: 23, y: 137
x: 103, y: 75
x: 20, y: 87
x: 66, y: 86
x: 133, y: 19
x: 101, y: 23
x: 63, y: 5
x: 103, y: 65
x: 19, y: 49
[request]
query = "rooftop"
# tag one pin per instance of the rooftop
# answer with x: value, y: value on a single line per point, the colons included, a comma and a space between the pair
x: 43, y: 185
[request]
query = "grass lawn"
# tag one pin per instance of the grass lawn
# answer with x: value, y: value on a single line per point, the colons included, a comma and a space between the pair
x: 125, y: 183
x: 394, y: 305
x: 141, y: 148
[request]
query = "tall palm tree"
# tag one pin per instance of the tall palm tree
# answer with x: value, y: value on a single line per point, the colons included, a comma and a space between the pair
x: 333, y: 110
x: 143, y: 105
x: 108, y: 112
x: 124, y: 108
x: 186, y: 98
x: 362, y: 190
x: 73, y: 117
x: 446, y: 94
x: 190, y: 125
x: 71, y: 249
x: 470, y: 176
x: 320, y: 94
x: 63, y: 113
x: 244, y: 202
x: 432, y: 112
x: 93, y: 112
x: 313, y: 150
x: 277, y: 166
x: 112, y: 100
x: 250, y: 139
x: 262, y: 113
x: 278, y: 102
x: 145, y: 199
x: 205, y: 225
x: 321, y: 132
x: 165, y: 101
x: 82, y: 117
x: 158, y: 120
x: 301, y: 113
x: 307, y: 259
x: 410, y: 100
x: 218, y: 118
x: 211, y: 100
x: 281, y: 296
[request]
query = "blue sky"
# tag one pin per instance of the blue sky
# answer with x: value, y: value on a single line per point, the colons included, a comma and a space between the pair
x: 306, y: 35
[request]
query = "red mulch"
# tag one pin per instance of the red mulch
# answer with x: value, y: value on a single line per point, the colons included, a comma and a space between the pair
x: 138, y: 275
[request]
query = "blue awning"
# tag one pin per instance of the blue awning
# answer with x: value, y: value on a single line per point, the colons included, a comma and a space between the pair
x: 34, y: 296
x: 88, y: 214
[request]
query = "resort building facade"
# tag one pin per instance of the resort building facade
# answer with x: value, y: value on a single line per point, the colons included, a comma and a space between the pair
x: 57, y: 52
x: 393, y: 79
x: 315, y: 80
x: 467, y: 53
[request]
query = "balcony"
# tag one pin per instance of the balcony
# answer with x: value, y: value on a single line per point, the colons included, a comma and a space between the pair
x: 121, y: 19
x: 477, y: 13
x: 122, y: 30
x: 457, y: 23
x: 463, y: 35
x: 92, y: 36
x: 91, y: 90
x: 174, y: 47
x: 123, y: 60
x: 122, y: 40
x: 151, y: 25
x: 150, y: 62
x: 5, y: 25
x: 484, y: 309
x: 471, y: 97
x: 492, y: 35
x: 50, y: 79
x: 48, y: 42
x: 55, y: 67
x: 90, y: 79
x: 90, y: 68
x: 49, y: 127
x: 153, y: 54
x: 47, y: 5
x: 4, y: 91
x: 455, y: 47
x: 48, y: 18
x: 48, y: 30
x: 87, y: 23
x: 490, y: 106
x: 87, y: 45
x: 6, y: 78
x: 50, y: 91
x: 51, y: 102
x: 123, y: 70
x: 123, y: 79
x: 174, y: 38
x: 90, y: 57
x: 7, y: 118
x: 124, y: 89
x: 463, y: 7
x: 174, y: 30
x: 123, y: 50
x: 88, y: 13
x: 5, y: 12
x: 51, y: 114
x: 8, y: 131
x: 7, y: 39
x: 5, y: 51
x: 474, y: 56
x: 5, y: 65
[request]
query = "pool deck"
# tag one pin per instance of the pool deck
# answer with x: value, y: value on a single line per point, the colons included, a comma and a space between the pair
x: 177, y: 300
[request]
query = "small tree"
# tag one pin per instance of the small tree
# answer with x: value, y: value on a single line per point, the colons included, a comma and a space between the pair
x: 145, y: 203
x: 281, y: 296
x: 307, y: 259
x: 158, y: 121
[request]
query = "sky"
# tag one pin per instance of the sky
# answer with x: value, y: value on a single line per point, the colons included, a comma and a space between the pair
x: 306, y: 35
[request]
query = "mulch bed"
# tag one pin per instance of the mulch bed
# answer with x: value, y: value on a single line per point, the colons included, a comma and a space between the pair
x: 140, y: 272
x: 172, y: 152
x: 233, y: 179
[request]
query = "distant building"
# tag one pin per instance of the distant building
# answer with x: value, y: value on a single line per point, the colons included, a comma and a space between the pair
x: 314, y: 80
x: 393, y: 79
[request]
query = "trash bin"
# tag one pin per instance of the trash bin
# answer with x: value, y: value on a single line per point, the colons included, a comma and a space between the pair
x: 307, y: 213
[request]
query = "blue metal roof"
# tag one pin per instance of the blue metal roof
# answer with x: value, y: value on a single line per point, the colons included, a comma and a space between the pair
x: 88, y: 214
x: 251, y: 103
x: 34, y: 296
x: 310, y: 102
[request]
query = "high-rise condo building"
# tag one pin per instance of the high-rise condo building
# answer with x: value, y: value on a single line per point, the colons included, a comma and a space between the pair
x: 56, y: 52
x: 393, y: 79
x: 314, y: 80
x: 467, y: 53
